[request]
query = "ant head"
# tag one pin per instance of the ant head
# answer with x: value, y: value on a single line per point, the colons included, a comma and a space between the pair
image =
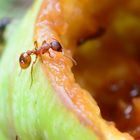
x: 56, y: 46
x: 25, y: 60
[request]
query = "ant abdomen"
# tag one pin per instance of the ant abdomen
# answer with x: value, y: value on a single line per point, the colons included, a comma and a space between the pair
x: 25, y: 60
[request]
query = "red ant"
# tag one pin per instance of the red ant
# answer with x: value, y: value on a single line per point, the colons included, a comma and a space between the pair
x: 25, y: 58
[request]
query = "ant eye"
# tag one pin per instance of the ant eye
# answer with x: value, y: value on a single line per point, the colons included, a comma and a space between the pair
x: 24, y: 60
x: 56, y: 46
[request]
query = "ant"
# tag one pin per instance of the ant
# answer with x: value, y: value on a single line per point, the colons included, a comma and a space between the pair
x: 25, y: 58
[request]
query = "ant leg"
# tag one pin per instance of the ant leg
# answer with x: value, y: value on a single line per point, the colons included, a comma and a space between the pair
x: 44, y: 42
x: 32, y: 70
x: 20, y: 72
x: 35, y: 44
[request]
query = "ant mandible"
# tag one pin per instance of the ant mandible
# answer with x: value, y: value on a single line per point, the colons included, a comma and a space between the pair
x: 25, y: 58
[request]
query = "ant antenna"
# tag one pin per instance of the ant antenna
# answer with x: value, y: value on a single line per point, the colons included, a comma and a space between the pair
x: 75, y: 63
